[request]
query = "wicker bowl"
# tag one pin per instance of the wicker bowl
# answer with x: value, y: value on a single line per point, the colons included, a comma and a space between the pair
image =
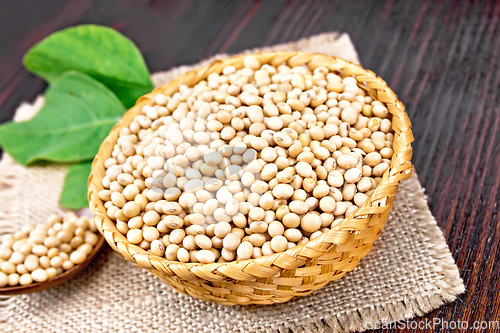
x: 300, y: 270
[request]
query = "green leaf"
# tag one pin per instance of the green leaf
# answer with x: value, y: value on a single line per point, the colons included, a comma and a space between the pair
x: 74, y: 193
x: 78, y: 114
x: 98, y: 51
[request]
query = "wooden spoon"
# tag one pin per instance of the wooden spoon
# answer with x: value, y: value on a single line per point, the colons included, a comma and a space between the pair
x: 61, y: 278
x: 58, y: 279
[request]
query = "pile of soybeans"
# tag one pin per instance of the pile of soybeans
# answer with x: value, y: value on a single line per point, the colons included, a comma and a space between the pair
x: 37, y: 253
x: 246, y: 163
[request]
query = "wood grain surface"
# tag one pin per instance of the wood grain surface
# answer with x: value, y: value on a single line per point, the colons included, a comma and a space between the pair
x: 441, y: 57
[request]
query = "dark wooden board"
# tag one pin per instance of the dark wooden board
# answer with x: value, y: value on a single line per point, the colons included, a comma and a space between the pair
x: 441, y: 57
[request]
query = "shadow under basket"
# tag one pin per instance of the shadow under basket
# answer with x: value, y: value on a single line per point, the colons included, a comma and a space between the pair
x: 302, y: 269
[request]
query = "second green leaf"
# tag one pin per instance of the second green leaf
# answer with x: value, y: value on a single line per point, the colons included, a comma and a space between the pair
x: 77, y: 116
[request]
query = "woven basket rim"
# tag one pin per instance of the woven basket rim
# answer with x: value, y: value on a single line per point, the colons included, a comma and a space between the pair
x: 400, y: 168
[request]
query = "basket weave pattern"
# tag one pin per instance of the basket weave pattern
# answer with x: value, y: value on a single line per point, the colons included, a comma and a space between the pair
x: 300, y: 270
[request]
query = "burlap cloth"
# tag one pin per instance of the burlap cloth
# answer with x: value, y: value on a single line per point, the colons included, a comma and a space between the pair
x: 409, y: 272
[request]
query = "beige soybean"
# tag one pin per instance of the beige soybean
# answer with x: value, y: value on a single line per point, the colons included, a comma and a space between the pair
x: 134, y: 236
x: 275, y: 228
x: 347, y: 161
x: 353, y: 175
x: 222, y: 229
x: 77, y: 257
x: 39, y: 275
x: 283, y: 191
x: 245, y: 250
x: 279, y: 243
x: 231, y: 242
x: 310, y: 222
x: 205, y: 256
x: 327, y: 204
x: 203, y: 242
